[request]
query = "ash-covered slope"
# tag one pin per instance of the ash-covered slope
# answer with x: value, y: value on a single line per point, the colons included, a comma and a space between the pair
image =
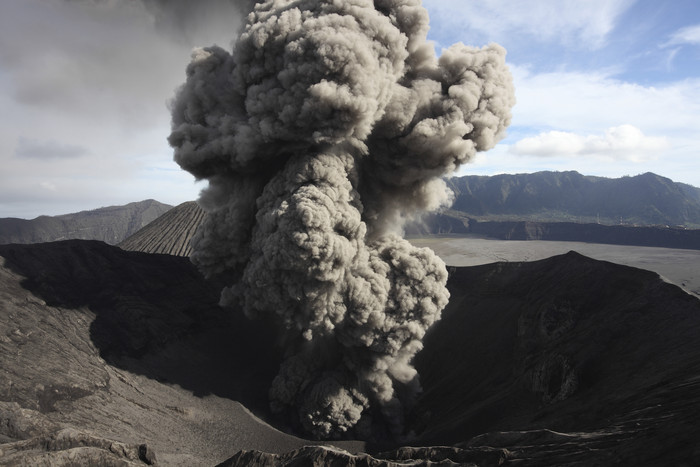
x: 109, y: 354
x: 110, y: 224
x: 169, y: 234
x: 103, y: 351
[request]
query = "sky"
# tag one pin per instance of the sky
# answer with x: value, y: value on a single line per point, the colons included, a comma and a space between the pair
x: 604, y: 87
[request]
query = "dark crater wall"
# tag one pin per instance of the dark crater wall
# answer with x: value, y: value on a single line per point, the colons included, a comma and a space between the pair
x: 564, y: 361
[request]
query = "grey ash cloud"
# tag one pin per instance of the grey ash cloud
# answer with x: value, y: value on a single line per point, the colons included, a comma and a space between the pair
x: 325, y: 128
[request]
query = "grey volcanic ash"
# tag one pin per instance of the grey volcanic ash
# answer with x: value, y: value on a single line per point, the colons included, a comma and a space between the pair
x: 324, y: 129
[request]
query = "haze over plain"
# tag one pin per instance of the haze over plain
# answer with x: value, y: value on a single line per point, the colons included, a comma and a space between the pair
x: 606, y: 88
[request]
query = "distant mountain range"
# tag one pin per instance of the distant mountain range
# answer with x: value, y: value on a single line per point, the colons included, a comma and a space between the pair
x: 646, y: 199
x: 518, y: 207
x: 110, y: 224
x: 538, y: 206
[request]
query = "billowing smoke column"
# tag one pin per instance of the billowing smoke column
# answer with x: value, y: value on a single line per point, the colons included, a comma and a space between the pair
x: 327, y: 127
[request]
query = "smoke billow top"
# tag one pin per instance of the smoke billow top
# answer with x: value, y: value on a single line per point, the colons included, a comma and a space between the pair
x: 321, y: 133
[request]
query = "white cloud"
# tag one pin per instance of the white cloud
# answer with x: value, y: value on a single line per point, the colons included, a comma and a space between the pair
x: 687, y: 35
x: 47, y: 186
x: 587, y: 103
x: 568, y: 107
x: 624, y: 142
x: 581, y: 24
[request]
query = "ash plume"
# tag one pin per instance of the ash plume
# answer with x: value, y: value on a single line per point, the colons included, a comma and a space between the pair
x: 321, y: 133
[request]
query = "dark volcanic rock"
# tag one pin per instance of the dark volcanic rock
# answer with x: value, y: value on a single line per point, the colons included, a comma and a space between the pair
x: 72, y: 447
x: 311, y: 456
x: 589, y: 348
x: 320, y: 456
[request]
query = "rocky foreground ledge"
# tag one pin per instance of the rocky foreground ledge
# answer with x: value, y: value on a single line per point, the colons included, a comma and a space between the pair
x: 110, y: 357
x: 407, y: 456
